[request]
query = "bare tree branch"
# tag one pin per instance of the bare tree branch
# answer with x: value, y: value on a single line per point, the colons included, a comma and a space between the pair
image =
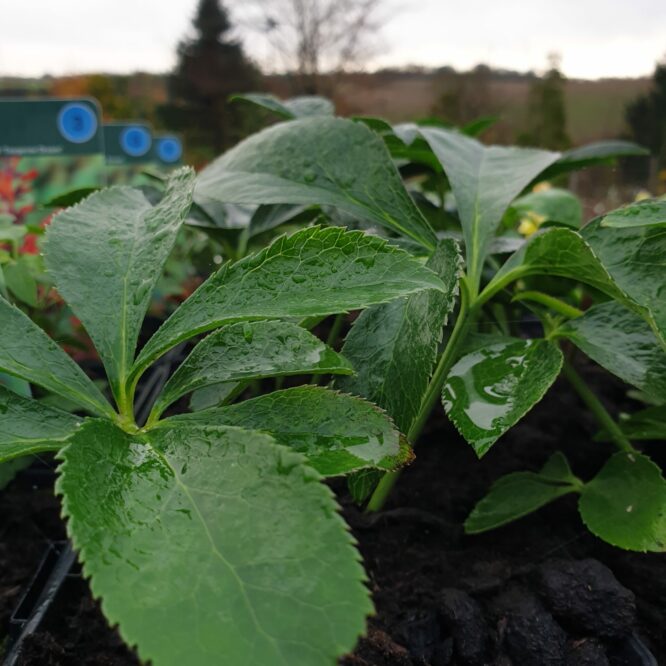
x: 310, y: 37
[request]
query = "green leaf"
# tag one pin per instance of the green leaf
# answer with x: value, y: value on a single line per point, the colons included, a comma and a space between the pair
x: 273, y: 576
x: 16, y: 385
x: 646, y: 424
x: 623, y: 343
x: 106, y: 255
x: 251, y: 350
x: 625, y: 504
x: 561, y: 252
x: 27, y: 426
x: 521, y: 493
x: 593, y: 154
x: 484, y: 179
x: 71, y: 197
x: 479, y: 125
x: 491, y: 389
x: 641, y: 214
x: 21, y: 282
x: 554, y: 204
x: 314, y: 272
x: 266, y: 218
x: 27, y: 352
x: 635, y: 257
x: 13, y: 233
x: 9, y: 469
x: 393, y: 347
x: 295, y: 107
x: 362, y: 483
x: 337, y: 433
x: 322, y: 161
x: 211, y: 396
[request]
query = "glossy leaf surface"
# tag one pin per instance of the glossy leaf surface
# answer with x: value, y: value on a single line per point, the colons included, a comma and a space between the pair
x: 212, y: 545
x: 322, y: 161
x: 106, y: 254
x: 561, y: 252
x: 27, y: 352
x: 641, y: 214
x: 491, y: 389
x: 314, y: 272
x: 636, y: 259
x: 337, y: 433
x: 521, y: 493
x: 393, y: 347
x: 211, y: 396
x: 623, y: 343
x: 251, y: 350
x: 27, y: 427
x: 625, y: 504
x: 484, y: 179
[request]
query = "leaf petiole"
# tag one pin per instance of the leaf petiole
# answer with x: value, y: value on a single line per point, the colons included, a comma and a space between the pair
x: 596, y: 407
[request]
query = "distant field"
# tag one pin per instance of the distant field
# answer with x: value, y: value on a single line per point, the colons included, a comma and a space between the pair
x: 595, y: 109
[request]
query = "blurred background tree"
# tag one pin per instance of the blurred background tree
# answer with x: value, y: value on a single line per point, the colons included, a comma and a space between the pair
x: 307, y: 37
x: 211, y: 66
x: 646, y: 116
x: 546, y: 123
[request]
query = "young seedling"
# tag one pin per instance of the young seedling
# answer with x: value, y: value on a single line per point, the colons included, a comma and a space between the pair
x: 209, y: 537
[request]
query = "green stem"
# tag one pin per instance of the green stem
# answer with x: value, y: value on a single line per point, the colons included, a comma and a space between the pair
x: 243, y: 239
x: 125, y: 403
x: 497, y: 284
x: 446, y: 360
x: 555, y: 304
x: 605, y: 420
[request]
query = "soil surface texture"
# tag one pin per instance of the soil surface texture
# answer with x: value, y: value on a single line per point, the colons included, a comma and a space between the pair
x: 539, y: 592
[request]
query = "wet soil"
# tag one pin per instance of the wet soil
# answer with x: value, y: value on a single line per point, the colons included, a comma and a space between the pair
x: 540, y: 592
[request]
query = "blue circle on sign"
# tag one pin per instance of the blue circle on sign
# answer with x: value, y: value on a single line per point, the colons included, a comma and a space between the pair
x: 169, y: 149
x: 77, y: 123
x: 135, y: 141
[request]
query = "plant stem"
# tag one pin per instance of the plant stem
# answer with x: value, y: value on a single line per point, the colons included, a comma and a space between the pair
x: 559, y: 306
x: 446, y: 360
x: 605, y: 420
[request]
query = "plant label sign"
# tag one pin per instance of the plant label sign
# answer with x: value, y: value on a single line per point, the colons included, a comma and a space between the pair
x: 129, y: 151
x: 47, y: 148
x: 167, y: 150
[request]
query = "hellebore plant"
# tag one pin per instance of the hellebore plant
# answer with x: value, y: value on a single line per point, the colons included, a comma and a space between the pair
x: 209, y: 536
x: 487, y: 383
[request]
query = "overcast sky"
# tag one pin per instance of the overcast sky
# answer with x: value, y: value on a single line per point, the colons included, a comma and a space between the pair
x: 596, y: 38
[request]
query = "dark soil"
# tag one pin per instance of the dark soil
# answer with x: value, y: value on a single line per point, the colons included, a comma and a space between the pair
x: 540, y: 592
